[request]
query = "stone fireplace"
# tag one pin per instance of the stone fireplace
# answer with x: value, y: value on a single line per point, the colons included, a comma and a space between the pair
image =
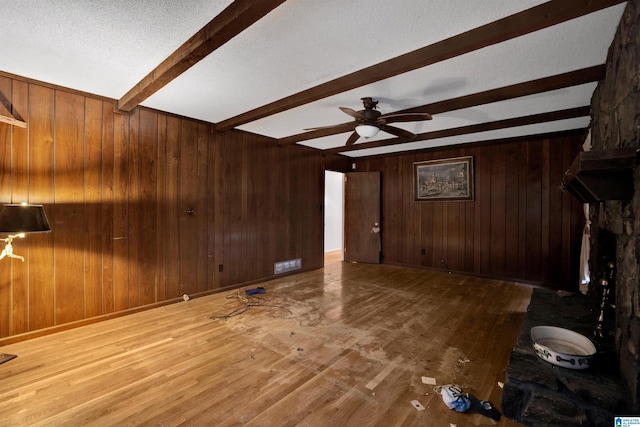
x: 615, y: 124
x: 535, y: 392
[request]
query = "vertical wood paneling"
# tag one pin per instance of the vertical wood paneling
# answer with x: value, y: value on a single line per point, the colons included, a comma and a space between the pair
x: 6, y: 135
x: 498, y: 214
x: 161, y: 211
x: 19, y: 144
x: 92, y: 211
x: 534, y: 211
x: 455, y: 222
x: 188, y: 242
x: 6, y: 282
x: 212, y: 266
x: 483, y: 191
x: 232, y: 200
x: 69, y: 196
x: 172, y: 232
x: 41, y: 163
x: 20, y: 193
x: 147, y: 205
x: 417, y: 245
x: 470, y: 245
x: 522, y: 208
x: 133, y: 202
x: 555, y: 207
x: 518, y: 227
x: 248, y: 190
x: 569, y: 236
x: 281, y: 214
x: 478, y: 165
x: 426, y: 232
x: 314, y: 253
x: 218, y: 208
x: 106, y: 227
x: 438, y: 221
x: 393, y: 185
x: 544, y: 208
x: 260, y: 204
x: 271, y: 232
x: 202, y: 228
x: 284, y: 239
x: 462, y: 241
x: 294, y: 240
x: 445, y: 234
x: 116, y: 187
x: 511, y: 230
x: 121, y: 212
x: 5, y: 194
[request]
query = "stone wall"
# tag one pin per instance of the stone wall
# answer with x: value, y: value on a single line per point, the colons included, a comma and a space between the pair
x: 615, y: 111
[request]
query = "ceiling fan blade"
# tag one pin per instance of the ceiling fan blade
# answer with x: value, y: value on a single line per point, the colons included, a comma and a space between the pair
x: 353, y: 113
x: 352, y: 139
x: 404, y: 117
x: 343, y: 127
x: 401, y: 133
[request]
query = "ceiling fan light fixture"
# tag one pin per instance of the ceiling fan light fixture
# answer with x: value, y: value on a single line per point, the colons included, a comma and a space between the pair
x: 367, y: 131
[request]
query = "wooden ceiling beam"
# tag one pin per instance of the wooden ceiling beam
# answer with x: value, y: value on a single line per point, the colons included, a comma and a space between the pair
x: 569, y: 113
x: 545, y: 15
x: 237, y: 17
x: 545, y: 84
x: 560, y: 81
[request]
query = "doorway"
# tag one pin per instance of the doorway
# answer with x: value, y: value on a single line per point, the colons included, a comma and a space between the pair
x: 333, y: 214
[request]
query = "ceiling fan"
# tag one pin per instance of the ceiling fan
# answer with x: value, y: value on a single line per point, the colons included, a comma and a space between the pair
x: 370, y: 121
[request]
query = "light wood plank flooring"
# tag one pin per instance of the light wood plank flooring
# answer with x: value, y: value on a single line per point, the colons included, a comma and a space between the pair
x: 346, y: 345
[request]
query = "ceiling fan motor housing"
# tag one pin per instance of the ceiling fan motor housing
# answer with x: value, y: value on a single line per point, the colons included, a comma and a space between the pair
x: 370, y: 116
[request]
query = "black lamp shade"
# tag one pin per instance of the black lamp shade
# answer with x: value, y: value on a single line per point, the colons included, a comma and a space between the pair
x: 23, y: 218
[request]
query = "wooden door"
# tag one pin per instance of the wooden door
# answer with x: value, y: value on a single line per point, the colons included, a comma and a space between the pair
x: 362, y: 217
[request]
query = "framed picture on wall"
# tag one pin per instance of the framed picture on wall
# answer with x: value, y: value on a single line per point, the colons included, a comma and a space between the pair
x: 444, y: 180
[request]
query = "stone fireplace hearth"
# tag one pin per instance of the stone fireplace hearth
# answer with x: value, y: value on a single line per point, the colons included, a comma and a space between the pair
x: 537, y: 393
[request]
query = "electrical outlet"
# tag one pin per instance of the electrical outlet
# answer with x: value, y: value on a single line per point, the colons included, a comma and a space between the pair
x: 220, y: 267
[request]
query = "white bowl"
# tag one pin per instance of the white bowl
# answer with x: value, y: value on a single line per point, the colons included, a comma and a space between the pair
x: 562, y: 347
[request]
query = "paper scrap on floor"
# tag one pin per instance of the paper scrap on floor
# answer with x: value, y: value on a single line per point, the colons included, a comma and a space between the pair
x: 429, y: 380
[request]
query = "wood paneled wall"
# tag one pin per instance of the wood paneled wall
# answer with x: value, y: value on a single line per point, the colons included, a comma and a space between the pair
x: 520, y: 226
x: 116, y: 189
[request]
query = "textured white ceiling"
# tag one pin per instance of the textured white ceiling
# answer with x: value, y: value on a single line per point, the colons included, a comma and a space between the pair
x: 303, y: 43
x: 101, y: 47
x: 106, y: 47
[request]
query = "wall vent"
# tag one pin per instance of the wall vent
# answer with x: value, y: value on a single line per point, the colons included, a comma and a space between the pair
x: 285, y: 266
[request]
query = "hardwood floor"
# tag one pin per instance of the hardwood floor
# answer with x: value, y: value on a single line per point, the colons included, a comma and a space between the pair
x: 339, y: 346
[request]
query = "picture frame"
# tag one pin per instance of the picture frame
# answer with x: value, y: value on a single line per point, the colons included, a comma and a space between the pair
x: 449, y: 179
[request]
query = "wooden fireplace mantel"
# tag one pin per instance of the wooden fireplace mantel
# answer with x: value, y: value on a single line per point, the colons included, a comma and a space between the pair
x: 600, y: 175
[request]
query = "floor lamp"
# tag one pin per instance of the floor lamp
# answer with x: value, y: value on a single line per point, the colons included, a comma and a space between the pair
x: 16, y: 220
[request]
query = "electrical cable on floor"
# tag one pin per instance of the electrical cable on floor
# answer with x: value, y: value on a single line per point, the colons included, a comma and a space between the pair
x: 247, y: 302
x: 445, y: 265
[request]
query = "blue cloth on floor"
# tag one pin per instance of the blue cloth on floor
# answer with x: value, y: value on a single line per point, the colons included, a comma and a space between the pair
x: 454, y: 398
